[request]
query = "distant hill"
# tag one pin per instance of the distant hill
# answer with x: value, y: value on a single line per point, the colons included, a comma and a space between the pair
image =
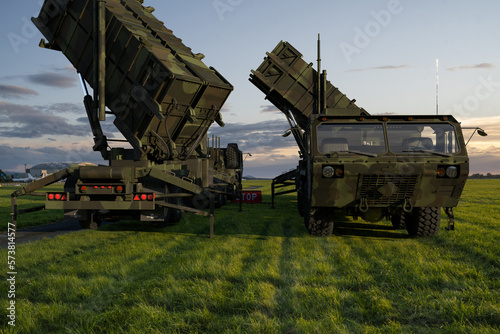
x: 251, y: 178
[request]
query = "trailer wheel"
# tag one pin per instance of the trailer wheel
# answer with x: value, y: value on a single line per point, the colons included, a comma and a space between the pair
x: 319, y: 224
x: 424, y: 222
x: 233, y: 156
x: 399, y: 221
x: 91, y: 222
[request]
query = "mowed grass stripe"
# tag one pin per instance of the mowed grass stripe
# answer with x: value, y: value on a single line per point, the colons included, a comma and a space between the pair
x: 264, y: 274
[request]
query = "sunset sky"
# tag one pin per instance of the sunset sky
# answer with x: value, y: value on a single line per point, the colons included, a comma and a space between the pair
x: 382, y: 53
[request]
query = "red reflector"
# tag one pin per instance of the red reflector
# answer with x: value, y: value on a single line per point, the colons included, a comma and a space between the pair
x: 83, y: 188
x: 63, y: 198
x: 150, y: 197
x: 51, y: 197
x: 58, y: 196
x: 144, y: 197
x: 119, y: 188
x: 136, y: 198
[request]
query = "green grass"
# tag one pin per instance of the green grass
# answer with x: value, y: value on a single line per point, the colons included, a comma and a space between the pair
x: 264, y: 274
x: 24, y: 202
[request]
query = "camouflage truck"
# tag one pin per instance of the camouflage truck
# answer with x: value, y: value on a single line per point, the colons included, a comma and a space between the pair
x: 163, y: 99
x: 403, y: 168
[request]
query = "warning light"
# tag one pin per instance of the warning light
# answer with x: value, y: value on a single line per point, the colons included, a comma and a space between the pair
x: 51, y: 197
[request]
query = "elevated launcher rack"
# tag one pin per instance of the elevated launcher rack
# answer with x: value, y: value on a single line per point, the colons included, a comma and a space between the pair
x: 163, y: 97
x: 297, y: 89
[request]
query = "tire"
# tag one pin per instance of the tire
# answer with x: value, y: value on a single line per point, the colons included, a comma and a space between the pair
x: 233, y: 157
x: 172, y: 216
x: 399, y: 221
x: 91, y: 223
x: 424, y: 222
x: 319, y: 224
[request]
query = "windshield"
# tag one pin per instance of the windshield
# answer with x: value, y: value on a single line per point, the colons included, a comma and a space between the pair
x: 354, y: 138
x: 439, y: 138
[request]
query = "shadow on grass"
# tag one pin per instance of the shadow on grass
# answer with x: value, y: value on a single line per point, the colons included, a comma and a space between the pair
x: 368, y: 230
x: 257, y: 222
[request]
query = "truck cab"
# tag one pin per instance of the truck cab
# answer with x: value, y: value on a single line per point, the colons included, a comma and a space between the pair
x: 401, y: 167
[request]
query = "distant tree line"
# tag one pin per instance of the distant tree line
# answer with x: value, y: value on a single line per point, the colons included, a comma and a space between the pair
x: 482, y: 176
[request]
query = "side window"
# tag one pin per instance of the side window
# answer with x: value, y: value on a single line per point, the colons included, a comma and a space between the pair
x: 422, y: 137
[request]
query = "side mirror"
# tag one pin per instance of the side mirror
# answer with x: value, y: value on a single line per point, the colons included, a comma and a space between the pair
x: 479, y: 131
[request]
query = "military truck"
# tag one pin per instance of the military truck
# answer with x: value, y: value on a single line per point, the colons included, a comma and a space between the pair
x: 403, y: 168
x: 163, y: 99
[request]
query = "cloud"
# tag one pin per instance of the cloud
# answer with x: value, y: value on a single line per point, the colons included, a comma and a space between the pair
x: 388, y: 67
x: 257, y: 137
x: 14, y: 157
x: 269, y: 108
x: 51, y: 80
x: 271, y: 153
x: 15, y: 92
x: 484, y: 164
x: 59, y: 108
x: 482, y: 66
x: 21, y: 121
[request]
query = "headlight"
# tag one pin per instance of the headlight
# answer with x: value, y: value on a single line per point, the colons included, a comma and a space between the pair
x: 328, y: 172
x: 452, y: 172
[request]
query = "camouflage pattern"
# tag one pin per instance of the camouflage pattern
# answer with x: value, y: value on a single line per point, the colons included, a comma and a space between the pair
x: 291, y: 85
x: 162, y: 94
x: 164, y: 99
x: 360, y: 165
x: 389, y: 178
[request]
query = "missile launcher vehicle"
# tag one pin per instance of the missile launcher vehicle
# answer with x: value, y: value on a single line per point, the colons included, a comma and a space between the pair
x: 403, y: 168
x: 161, y: 97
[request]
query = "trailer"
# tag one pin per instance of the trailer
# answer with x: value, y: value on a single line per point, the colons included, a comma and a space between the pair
x: 163, y: 100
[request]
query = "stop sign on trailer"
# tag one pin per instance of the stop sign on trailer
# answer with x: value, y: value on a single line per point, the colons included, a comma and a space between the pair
x: 250, y: 197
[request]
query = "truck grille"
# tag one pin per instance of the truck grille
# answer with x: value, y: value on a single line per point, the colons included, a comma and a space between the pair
x: 386, y: 189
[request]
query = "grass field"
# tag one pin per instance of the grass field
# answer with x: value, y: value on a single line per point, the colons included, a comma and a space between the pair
x: 264, y: 274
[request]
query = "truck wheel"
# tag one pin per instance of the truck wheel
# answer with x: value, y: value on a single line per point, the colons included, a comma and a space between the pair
x: 319, y: 224
x: 232, y: 156
x: 172, y: 217
x: 91, y: 223
x: 424, y: 222
x: 399, y: 221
